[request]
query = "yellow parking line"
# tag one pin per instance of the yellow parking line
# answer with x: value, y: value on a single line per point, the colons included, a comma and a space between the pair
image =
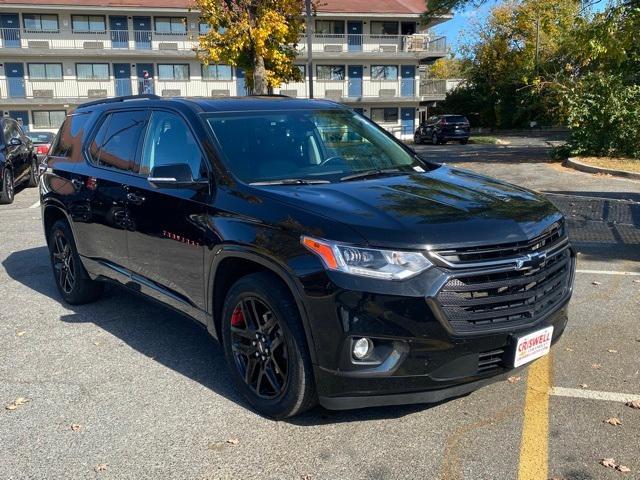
x: 534, y: 445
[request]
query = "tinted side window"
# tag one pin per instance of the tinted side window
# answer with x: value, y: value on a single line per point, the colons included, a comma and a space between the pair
x: 11, y: 130
x: 168, y: 142
x: 68, y: 142
x: 116, y: 142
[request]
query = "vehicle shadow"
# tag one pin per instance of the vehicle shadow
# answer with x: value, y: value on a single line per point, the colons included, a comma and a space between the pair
x: 164, y: 335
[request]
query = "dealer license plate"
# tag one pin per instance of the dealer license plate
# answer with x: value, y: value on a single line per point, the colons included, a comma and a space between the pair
x: 533, y: 345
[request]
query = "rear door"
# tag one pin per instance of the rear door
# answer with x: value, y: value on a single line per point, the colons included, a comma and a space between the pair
x: 166, y: 237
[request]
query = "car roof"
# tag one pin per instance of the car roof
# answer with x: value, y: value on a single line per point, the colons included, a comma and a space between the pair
x: 226, y: 104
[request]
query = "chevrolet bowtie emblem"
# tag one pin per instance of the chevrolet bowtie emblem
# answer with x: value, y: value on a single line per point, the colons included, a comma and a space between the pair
x: 531, y: 260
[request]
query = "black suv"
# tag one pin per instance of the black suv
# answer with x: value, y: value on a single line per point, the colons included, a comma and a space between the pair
x: 18, y: 162
x: 442, y: 128
x: 333, y: 264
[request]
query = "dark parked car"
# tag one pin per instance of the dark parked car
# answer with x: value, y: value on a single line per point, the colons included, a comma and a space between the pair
x: 442, y: 128
x: 41, y: 142
x: 18, y: 163
x: 333, y: 264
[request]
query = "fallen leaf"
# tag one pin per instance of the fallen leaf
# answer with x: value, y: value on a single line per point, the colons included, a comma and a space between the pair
x: 96, y: 343
x: 584, y: 385
x: 613, y: 421
x: 596, y: 366
x: 623, y: 469
x: 514, y: 379
x: 568, y: 349
x: 101, y: 467
x: 20, y: 333
x: 75, y: 427
x: 595, y: 283
x: 233, y: 441
x: 16, y: 403
x: 633, y: 404
x: 612, y: 351
x: 636, y: 281
x: 608, y: 462
x: 306, y: 476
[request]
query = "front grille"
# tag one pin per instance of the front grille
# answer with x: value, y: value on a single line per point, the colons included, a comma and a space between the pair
x: 476, y: 301
x: 488, y: 361
x: 461, y: 257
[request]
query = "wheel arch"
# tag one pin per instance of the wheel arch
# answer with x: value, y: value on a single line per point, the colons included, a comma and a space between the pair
x: 51, y: 213
x: 232, y: 263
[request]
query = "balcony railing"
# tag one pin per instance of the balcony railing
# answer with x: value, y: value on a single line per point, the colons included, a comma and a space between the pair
x: 19, y: 88
x: 375, y: 44
x: 150, y: 40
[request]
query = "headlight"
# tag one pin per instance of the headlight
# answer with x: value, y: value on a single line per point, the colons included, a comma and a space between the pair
x: 367, y: 262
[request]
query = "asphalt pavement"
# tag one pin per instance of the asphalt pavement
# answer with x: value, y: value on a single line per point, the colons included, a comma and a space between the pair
x: 127, y: 389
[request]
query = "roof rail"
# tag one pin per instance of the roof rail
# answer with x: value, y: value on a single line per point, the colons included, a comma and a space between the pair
x: 124, y: 98
x: 269, y: 95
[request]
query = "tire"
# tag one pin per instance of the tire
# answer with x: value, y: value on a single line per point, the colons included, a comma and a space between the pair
x: 8, y: 188
x: 33, y: 174
x: 464, y: 142
x: 417, y: 139
x: 434, y: 139
x: 72, y: 280
x: 259, y: 313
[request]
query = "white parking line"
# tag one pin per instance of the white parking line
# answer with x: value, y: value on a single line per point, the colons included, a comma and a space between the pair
x: 609, y: 272
x: 593, y: 394
x: 35, y: 205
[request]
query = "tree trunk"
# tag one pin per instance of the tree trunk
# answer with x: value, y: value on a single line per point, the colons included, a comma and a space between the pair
x: 259, y: 76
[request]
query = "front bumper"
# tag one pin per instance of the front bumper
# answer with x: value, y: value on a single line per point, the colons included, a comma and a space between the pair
x: 422, y: 359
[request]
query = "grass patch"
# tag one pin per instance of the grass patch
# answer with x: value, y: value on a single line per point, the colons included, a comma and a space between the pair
x: 614, y: 163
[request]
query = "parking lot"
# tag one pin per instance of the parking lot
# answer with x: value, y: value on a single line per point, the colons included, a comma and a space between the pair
x: 126, y: 389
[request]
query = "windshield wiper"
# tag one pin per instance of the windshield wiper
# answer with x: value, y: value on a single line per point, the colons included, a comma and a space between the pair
x: 290, y: 181
x: 369, y: 173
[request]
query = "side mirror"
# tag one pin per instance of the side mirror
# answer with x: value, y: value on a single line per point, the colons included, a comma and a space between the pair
x: 173, y: 176
x: 15, y: 142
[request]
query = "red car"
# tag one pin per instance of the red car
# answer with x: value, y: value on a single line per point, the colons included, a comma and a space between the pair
x: 41, y: 142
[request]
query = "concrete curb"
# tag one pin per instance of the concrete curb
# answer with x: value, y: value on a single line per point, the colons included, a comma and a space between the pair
x: 573, y: 162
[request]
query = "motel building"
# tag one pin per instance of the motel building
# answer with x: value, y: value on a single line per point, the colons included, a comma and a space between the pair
x: 56, y: 54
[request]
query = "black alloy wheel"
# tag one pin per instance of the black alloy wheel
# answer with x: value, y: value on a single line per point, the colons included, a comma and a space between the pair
x: 64, y: 266
x: 260, y: 352
x: 33, y: 174
x: 8, y: 189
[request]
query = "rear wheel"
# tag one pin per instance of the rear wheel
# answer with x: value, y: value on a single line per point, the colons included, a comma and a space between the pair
x: 434, y: 139
x: 8, y: 192
x: 33, y: 173
x: 265, y: 347
x: 417, y: 139
x: 71, y: 278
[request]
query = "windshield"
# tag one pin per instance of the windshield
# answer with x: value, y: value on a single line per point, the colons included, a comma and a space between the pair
x: 40, y: 137
x: 307, y: 145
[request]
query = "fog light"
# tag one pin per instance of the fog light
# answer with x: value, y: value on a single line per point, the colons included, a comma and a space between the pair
x: 362, y: 348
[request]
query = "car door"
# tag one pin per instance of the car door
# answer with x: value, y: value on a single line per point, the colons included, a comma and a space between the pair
x: 166, y: 231
x: 18, y: 155
x: 102, y: 187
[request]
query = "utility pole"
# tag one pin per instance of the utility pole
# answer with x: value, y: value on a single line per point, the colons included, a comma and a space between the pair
x: 309, y: 47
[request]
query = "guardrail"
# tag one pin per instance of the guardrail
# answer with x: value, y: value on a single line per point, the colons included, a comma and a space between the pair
x: 375, y: 44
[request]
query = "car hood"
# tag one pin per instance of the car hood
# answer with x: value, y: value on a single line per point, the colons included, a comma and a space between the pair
x: 443, y: 207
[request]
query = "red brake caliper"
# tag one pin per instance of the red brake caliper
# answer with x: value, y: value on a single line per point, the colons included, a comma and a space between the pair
x: 237, y: 318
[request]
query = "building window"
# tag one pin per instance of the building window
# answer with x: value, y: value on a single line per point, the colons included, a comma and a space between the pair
x: 45, y: 71
x: 173, y: 71
x: 328, y: 27
x: 48, y: 118
x: 88, y: 23
x: 384, y: 72
x: 330, y: 72
x: 203, y: 28
x: 387, y: 115
x: 171, y: 25
x: 216, y: 72
x: 384, y: 28
x: 92, y: 71
x: 34, y: 22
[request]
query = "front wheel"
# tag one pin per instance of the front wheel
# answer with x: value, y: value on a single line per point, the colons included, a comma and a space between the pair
x: 7, y: 194
x: 417, y: 139
x: 71, y: 278
x: 265, y: 347
x: 434, y: 139
x: 33, y: 174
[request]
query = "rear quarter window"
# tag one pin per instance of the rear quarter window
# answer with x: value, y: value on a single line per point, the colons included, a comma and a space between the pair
x: 68, y: 142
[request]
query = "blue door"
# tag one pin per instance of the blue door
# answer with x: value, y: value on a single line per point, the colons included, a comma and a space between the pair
x: 354, y: 30
x: 119, y: 31
x: 10, y: 27
x: 241, y: 84
x: 408, y: 120
x: 22, y: 117
x: 142, y: 32
x: 15, y: 79
x: 408, y: 81
x: 355, y: 81
x: 122, y: 75
x: 144, y: 72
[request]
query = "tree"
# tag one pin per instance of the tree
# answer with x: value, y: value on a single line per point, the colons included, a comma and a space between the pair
x: 258, y: 36
x: 447, y: 67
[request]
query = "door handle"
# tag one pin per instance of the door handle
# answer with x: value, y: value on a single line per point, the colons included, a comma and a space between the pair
x: 135, y: 199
